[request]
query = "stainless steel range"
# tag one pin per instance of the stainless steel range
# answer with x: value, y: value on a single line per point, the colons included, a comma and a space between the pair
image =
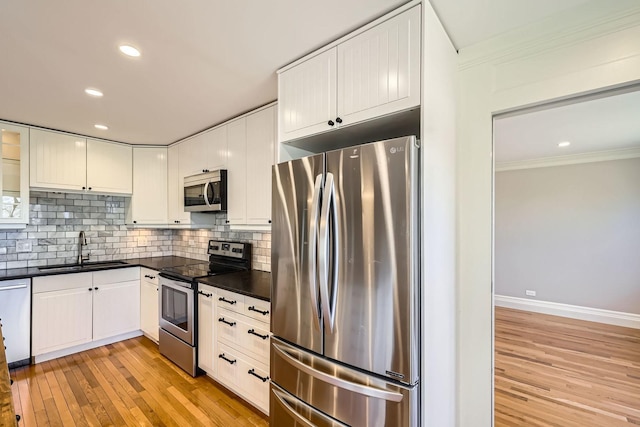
x: 178, y: 287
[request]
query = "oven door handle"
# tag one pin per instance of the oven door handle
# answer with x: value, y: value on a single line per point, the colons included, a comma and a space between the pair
x: 175, y: 279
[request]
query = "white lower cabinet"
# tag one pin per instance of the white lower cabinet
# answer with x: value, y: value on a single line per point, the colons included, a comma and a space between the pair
x: 206, y: 332
x: 233, y: 348
x: 149, y: 303
x: 72, y: 311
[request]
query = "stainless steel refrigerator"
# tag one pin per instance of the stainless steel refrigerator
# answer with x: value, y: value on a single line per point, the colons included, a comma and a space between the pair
x: 345, y: 290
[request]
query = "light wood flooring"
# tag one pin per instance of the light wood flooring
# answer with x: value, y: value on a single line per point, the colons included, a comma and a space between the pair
x: 554, y: 371
x: 124, y: 384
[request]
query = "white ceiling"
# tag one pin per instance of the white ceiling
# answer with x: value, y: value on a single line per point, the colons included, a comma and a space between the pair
x: 203, y: 61
x: 604, y: 124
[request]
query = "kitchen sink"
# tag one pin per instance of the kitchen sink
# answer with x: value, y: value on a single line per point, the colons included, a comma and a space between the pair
x: 84, y: 267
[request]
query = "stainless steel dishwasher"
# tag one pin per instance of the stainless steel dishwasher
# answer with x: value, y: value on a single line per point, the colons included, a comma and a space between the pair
x: 15, y: 316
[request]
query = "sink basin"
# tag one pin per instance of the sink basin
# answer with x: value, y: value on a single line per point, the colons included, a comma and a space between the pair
x: 84, y: 267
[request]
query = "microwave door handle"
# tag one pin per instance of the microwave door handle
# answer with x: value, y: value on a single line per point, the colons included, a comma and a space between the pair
x: 206, y: 193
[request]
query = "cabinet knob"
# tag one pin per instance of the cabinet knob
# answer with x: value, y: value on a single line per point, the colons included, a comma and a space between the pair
x: 269, y: 221
x: 95, y: 289
x: 90, y: 289
x: 338, y: 120
x: 135, y: 222
x: 330, y: 123
x: 84, y: 188
x: 227, y: 221
x: 89, y: 188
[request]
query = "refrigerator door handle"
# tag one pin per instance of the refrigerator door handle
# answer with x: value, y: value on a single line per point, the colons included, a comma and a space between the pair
x: 327, y: 301
x: 312, y: 250
x: 365, y: 390
x: 286, y: 401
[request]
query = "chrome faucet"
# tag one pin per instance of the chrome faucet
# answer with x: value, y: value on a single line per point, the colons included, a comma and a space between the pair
x: 82, y: 241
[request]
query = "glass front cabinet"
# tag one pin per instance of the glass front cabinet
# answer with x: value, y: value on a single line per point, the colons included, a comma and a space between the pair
x: 14, y: 176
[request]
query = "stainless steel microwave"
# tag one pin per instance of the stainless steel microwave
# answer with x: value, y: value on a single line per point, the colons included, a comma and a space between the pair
x: 206, y: 192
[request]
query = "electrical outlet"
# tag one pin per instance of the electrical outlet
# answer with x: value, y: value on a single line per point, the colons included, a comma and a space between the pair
x: 530, y: 293
x: 142, y: 241
x: 23, y: 246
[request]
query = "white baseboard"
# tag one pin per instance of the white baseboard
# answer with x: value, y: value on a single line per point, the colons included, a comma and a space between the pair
x: 609, y: 317
x: 87, y: 346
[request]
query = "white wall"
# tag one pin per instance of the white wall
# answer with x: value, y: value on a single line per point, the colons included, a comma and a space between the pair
x: 576, y: 52
x: 571, y: 233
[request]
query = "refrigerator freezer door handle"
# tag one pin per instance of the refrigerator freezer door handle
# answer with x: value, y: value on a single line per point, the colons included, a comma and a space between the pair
x: 285, y: 400
x: 312, y: 250
x: 323, y: 257
x: 365, y: 390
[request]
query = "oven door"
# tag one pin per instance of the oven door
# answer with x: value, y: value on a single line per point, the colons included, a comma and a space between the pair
x: 176, y: 309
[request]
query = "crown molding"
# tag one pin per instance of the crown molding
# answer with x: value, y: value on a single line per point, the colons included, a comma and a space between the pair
x: 597, y: 156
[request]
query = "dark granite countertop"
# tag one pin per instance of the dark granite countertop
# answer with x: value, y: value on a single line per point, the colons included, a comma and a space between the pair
x: 154, y: 263
x: 254, y: 283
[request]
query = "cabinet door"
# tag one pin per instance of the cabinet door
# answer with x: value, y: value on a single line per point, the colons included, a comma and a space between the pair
x: 175, y: 184
x: 253, y: 379
x: 206, y: 338
x: 237, y: 172
x: 57, y: 161
x: 259, y: 161
x: 149, y: 320
x: 307, y: 97
x: 379, y: 70
x: 14, y: 174
x: 61, y: 319
x: 109, y: 167
x: 216, y: 148
x: 193, y: 155
x: 116, y: 309
x: 148, y: 204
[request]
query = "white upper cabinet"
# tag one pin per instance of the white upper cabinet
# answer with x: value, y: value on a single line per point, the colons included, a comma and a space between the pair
x: 251, y: 156
x: 379, y: 70
x: 148, y: 204
x: 69, y: 163
x: 109, y: 167
x: 204, y: 152
x: 14, y: 175
x: 370, y: 74
x: 261, y: 136
x: 307, y: 96
x: 175, y: 185
x: 237, y: 172
x: 58, y: 161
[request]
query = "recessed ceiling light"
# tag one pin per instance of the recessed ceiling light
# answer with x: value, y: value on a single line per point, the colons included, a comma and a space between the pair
x: 93, y: 92
x: 129, y: 50
x: 564, y: 144
x: 101, y: 127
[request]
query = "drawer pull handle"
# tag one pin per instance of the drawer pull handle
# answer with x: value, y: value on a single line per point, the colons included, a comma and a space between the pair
x: 205, y: 294
x: 223, y: 299
x: 253, y: 372
x: 227, y: 322
x: 253, y: 308
x: 231, y: 362
x: 253, y: 332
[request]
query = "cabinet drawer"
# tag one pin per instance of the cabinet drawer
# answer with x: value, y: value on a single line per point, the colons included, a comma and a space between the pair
x: 257, y: 309
x: 227, y: 366
x: 116, y: 275
x: 228, y: 327
x: 61, y: 281
x: 149, y: 275
x: 253, y: 379
x: 230, y: 300
x: 254, y: 341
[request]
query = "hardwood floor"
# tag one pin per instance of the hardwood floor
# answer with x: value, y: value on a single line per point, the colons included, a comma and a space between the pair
x: 124, y: 384
x: 553, y: 371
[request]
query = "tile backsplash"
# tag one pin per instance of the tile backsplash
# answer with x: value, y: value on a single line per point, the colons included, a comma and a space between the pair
x: 57, y: 218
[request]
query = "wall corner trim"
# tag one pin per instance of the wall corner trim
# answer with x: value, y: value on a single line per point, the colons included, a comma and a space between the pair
x: 608, y: 317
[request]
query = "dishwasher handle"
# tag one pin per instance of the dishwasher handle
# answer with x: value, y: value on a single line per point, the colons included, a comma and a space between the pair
x: 10, y: 288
